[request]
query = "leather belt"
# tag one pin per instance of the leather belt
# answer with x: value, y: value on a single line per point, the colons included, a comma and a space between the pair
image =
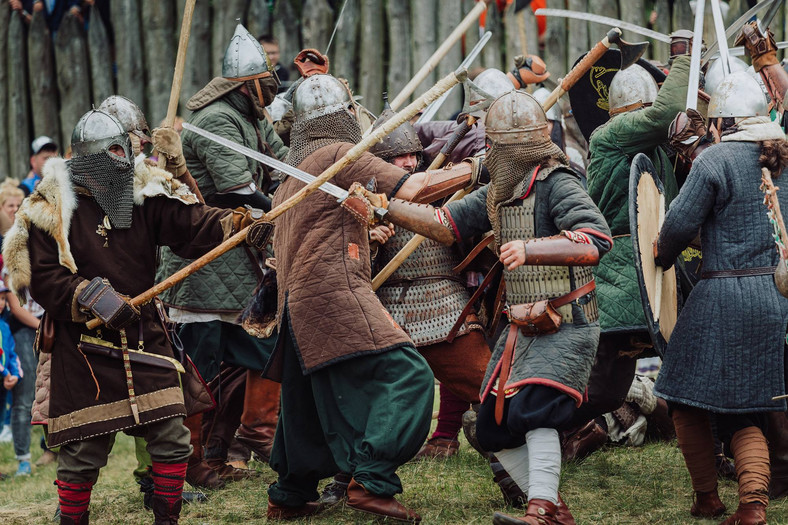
x: 740, y: 272
x: 469, y: 305
x: 587, y: 288
x: 488, y: 238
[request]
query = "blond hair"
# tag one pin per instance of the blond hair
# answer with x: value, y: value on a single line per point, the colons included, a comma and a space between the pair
x: 9, y: 189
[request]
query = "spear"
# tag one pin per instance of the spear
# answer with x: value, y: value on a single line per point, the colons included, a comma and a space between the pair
x: 443, y: 85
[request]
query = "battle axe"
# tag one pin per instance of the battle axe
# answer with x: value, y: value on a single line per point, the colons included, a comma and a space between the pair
x: 630, y: 53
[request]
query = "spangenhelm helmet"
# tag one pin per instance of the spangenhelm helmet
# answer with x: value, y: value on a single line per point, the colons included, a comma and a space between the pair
x: 96, y: 132
x: 738, y: 96
x: 321, y: 95
x: 128, y: 114
x: 714, y: 74
x: 631, y: 88
x: 514, y: 118
x: 245, y: 60
x: 554, y: 113
x: 491, y: 81
x: 402, y: 141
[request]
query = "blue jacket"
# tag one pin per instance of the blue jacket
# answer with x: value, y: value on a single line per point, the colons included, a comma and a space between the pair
x: 9, y: 363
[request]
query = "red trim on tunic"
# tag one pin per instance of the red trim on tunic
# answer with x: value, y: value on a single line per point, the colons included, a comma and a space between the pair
x: 453, y: 225
x: 531, y: 184
x: 596, y: 233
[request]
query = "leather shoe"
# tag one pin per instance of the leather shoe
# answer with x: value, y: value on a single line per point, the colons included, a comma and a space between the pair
x: 438, y: 448
x: 281, y: 512
x: 335, y: 491
x: 539, y: 512
x: 562, y: 514
x: 227, y: 472
x: 707, y: 505
x: 199, y: 474
x: 360, y: 499
x: 748, y: 514
x: 583, y: 442
x: 513, y: 495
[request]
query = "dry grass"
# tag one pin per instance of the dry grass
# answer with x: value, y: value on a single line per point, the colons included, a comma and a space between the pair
x: 638, y: 486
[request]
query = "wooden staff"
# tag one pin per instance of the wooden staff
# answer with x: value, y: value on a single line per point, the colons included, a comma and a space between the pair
x: 445, y: 84
x: 180, y: 65
x: 439, y: 53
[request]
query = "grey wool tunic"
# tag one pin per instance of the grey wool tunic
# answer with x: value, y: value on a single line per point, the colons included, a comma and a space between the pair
x: 561, y: 360
x: 726, y: 353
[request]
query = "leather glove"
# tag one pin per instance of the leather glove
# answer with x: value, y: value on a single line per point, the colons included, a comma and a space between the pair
x: 244, y: 216
x: 361, y: 203
x: 528, y: 69
x: 761, y: 47
x: 114, y: 309
x: 168, y: 143
x: 311, y: 62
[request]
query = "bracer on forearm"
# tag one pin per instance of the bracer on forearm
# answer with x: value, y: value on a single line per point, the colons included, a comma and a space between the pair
x: 558, y: 250
x: 419, y: 218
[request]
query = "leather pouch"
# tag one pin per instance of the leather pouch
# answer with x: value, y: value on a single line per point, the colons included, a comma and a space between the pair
x: 45, y: 335
x: 539, y: 318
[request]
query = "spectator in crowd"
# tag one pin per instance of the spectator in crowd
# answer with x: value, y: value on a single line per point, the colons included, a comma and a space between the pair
x: 10, y: 200
x: 43, y: 148
x: 10, y: 370
x: 271, y: 48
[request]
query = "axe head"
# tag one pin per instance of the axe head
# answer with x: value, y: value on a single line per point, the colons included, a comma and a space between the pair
x: 630, y: 51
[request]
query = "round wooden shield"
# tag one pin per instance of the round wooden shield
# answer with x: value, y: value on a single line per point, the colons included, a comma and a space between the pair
x: 658, y: 288
x: 589, y: 96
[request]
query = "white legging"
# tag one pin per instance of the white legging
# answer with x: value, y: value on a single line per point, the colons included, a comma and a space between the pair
x: 535, y: 466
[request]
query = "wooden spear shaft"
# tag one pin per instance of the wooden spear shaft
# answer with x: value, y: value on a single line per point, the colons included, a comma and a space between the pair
x: 180, y: 65
x: 439, y: 53
x: 446, y: 83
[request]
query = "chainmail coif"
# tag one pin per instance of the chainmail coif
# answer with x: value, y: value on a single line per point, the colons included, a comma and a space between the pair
x: 110, y: 181
x: 308, y: 136
x: 511, y: 166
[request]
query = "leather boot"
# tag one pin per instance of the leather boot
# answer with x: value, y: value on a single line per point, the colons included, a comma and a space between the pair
x: 227, y: 472
x: 581, y: 443
x: 280, y: 512
x: 261, y: 412
x: 198, y: 473
x: 335, y: 491
x: 707, y: 505
x: 438, y: 448
x: 539, y: 512
x: 562, y: 515
x: 84, y: 519
x: 388, y: 507
x: 165, y: 513
x: 513, y: 495
x: 748, y: 514
x: 778, y: 454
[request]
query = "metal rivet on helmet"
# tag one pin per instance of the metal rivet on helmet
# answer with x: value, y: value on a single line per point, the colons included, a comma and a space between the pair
x: 128, y: 114
x: 96, y: 132
x: 320, y: 95
x: 631, y: 88
x: 244, y: 58
x: 516, y: 117
x: 402, y: 141
x: 738, y: 95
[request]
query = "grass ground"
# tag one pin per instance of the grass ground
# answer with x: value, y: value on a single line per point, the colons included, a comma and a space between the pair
x: 638, y: 486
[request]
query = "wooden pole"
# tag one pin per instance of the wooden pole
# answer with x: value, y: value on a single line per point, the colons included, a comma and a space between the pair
x: 351, y: 156
x: 180, y: 65
x: 436, y: 57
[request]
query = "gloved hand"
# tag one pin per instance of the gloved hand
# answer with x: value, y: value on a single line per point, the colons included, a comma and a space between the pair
x: 114, y: 309
x: 245, y: 216
x: 528, y: 69
x: 361, y: 203
x: 311, y: 62
x: 168, y: 143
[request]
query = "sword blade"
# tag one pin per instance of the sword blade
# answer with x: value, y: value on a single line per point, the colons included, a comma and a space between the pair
x: 734, y: 27
x: 565, y: 13
x: 740, y: 51
x: 428, y: 114
x: 694, y: 78
x: 722, y: 37
x: 271, y: 162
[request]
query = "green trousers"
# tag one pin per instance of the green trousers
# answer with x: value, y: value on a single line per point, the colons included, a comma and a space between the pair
x: 366, y: 415
x: 167, y: 442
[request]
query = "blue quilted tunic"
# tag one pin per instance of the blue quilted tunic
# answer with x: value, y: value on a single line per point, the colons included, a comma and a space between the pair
x: 726, y: 353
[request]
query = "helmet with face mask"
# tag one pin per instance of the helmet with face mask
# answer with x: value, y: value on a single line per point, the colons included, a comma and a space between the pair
x: 132, y: 119
x: 109, y: 176
x: 246, y: 61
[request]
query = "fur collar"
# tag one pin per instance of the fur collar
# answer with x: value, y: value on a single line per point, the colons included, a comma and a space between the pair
x: 755, y: 129
x: 52, y: 205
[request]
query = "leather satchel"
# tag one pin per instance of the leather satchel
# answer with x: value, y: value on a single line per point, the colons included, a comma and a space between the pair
x: 45, y: 335
x: 539, y: 318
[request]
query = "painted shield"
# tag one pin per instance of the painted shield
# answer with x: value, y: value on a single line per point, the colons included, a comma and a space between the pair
x: 658, y: 288
x: 589, y: 96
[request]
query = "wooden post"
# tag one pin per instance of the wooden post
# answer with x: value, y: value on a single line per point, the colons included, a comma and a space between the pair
x: 259, y: 20
x: 226, y: 15
x: 423, y: 21
x: 555, y: 42
x: 318, y: 22
x: 634, y: 11
x: 102, y: 85
x: 531, y: 31
x: 399, y: 31
x: 73, y: 75
x: 127, y: 25
x: 287, y: 29
x: 43, y: 82
x: 660, y: 51
x: 5, y: 18
x: 450, y: 17
x: 196, y: 74
x: 371, y: 80
x: 492, y: 55
x: 159, y: 37
x: 605, y: 8
x: 683, y: 17
x: 578, y: 41
x: 351, y: 156
x: 18, y: 99
x: 344, y: 63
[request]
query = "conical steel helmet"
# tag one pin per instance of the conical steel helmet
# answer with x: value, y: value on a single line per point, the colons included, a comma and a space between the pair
x: 516, y: 117
x: 320, y: 95
x: 245, y: 58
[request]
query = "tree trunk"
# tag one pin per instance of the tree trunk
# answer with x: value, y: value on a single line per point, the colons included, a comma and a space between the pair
x: 342, y: 54
x: 578, y: 42
x: 423, y: 15
x: 287, y: 29
x: 555, y: 42
x: 597, y: 32
x: 400, y: 71
x: 5, y: 18
x: 126, y: 22
x: 225, y: 19
x: 73, y: 75
x: 318, y: 20
x: 259, y: 20
x: 161, y: 45
x: 450, y: 16
x: 18, y: 99
x: 43, y: 87
x: 660, y: 50
x: 100, y: 59
x: 371, y: 81
x: 493, y: 51
x: 196, y: 75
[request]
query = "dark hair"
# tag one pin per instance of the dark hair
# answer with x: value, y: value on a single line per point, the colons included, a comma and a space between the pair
x: 268, y: 39
x: 47, y: 147
x: 774, y: 156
